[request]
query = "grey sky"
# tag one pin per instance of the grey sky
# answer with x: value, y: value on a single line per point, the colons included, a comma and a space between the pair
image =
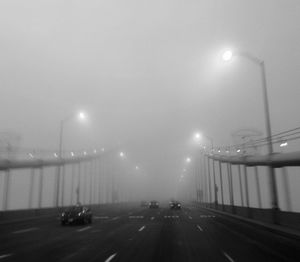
x: 147, y: 73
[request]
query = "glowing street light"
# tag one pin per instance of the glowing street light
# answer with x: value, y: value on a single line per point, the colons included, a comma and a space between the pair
x: 137, y: 168
x: 82, y: 115
x: 188, y: 160
x: 227, y: 55
x: 122, y: 154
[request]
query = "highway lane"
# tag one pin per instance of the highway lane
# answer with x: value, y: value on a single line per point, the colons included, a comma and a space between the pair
x: 132, y: 233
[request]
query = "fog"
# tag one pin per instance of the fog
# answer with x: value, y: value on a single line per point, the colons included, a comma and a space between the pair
x: 148, y: 74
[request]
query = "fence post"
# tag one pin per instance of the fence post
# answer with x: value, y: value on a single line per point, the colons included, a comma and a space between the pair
x: 257, y: 187
x: 78, y: 183
x: 221, y: 182
x: 247, y: 193
x: 31, y: 188
x: 41, y: 187
x: 286, y: 189
x: 241, y: 186
x: 209, y: 181
x: 63, y: 168
x: 6, y: 189
x: 72, y: 182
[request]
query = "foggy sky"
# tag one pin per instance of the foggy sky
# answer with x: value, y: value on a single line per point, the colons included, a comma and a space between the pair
x: 147, y: 73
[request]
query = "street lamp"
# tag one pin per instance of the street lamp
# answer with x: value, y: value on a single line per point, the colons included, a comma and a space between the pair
x: 81, y: 116
x: 188, y: 160
x: 227, y: 56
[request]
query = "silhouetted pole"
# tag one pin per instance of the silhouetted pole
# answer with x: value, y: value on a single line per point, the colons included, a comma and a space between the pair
x: 41, y: 175
x: 31, y: 188
x: 241, y: 186
x: 221, y: 182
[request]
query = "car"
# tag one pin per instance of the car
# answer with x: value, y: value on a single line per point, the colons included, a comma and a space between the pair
x: 153, y: 204
x: 144, y: 204
x: 76, y: 215
x: 175, y: 205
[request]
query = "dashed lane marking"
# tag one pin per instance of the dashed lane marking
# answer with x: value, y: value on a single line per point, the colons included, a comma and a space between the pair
x: 207, y: 216
x: 83, y: 229
x: 190, y: 217
x: 136, y: 216
x: 228, y: 257
x: 199, y: 228
x: 5, y: 255
x: 110, y: 258
x: 104, y: 217
x: 171, y: 216
x: 142, y: 228
x: 152, y: 218
x: 115, y: 218
x: 25, y: 230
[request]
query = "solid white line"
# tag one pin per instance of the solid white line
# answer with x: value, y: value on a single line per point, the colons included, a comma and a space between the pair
x: 25, y: 230
x: 142, y: 228
x: 83, y: 229
x: 115, y: 218
x: 5, y: 255
x: 190, y: 217
x: 111, y: 257
x: 199, y: 228
x: 228, y: 257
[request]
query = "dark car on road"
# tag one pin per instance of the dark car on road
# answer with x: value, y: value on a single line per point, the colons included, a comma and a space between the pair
x: 76, y: 215
x: 175, y: 205
x: 153, y: 204
x: 144, y: 203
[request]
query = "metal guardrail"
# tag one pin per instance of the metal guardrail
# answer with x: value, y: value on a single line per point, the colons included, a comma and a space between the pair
x: 275, y: 160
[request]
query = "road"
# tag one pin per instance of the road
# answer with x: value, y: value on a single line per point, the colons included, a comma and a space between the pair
x: 134, y: 233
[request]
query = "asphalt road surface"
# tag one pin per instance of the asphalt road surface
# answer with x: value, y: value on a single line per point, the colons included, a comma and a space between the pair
x: 135, y: 233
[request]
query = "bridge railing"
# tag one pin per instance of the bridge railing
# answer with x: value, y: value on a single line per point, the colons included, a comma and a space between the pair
x: 64, y: 181
x: 240, y: 185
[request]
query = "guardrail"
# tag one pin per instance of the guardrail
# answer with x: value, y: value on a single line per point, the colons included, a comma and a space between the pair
x: 216, y: 166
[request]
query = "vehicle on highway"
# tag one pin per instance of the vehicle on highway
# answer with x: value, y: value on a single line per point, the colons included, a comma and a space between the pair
x: 76, y: 215
x: 144, y: 203
x: 153, y: 204
x: 175, y: 205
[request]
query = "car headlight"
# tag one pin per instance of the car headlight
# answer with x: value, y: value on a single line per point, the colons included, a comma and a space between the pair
x: 63, y: 214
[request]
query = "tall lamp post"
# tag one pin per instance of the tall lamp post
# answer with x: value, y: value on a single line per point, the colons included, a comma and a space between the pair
x: 81, y: 116
x: 227, y: 56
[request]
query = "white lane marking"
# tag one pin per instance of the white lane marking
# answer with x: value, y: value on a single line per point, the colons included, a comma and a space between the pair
x: 190, y: 217
x: 228, y: 257
x: 111, y: 257
x: 199, y: 228
x: 152, y: 218
x: 25, y: 230
x: 104, y: 217
x: 83, y: 229
x: 142, y: 228
x: 136, y: 216
x: 115, y: 218
x: 5, y: 255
